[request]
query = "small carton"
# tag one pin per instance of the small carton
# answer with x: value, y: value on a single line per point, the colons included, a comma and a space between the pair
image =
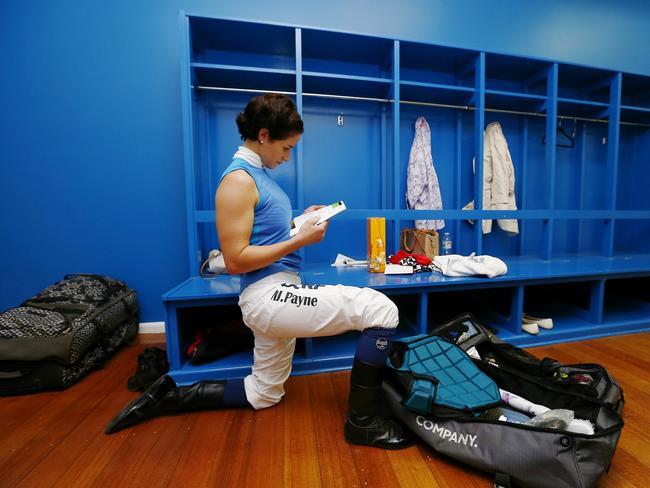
x: 376, y: 235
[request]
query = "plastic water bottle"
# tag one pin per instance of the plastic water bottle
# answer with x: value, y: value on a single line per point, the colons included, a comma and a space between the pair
x: 446, y: 244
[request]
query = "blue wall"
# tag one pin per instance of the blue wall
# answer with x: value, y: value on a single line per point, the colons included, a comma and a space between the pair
x: 91, y: 169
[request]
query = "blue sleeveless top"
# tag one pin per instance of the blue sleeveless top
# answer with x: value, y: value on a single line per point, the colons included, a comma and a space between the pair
x: 271, y: 222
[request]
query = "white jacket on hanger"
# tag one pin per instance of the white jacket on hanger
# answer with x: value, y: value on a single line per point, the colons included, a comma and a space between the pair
x: 498, y: 179
x: 422, y: 187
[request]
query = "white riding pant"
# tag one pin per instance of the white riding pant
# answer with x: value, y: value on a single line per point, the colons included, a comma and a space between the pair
x: 278, y: 309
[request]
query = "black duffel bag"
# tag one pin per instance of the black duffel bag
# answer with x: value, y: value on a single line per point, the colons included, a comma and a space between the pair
x: 518, y: 454
x: 56, y: 337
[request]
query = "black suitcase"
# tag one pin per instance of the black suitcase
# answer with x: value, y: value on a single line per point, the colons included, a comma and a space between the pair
x: 56, y: 337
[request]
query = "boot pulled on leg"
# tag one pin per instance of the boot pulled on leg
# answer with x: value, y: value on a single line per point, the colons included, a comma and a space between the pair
x: 164, y: 397
x: 364, y: 424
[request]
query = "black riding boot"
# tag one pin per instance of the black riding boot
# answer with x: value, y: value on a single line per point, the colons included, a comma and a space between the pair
x: 364, y: 424
x: 165, y: 397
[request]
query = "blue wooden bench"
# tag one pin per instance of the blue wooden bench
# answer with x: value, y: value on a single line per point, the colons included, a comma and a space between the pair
x: 588, y: 296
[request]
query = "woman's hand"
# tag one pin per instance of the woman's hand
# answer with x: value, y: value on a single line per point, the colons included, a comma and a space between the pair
x: 313, y: 208
x: 310, y: 232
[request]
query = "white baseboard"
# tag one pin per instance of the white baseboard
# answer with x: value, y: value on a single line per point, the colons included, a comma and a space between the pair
x: 151, y: 328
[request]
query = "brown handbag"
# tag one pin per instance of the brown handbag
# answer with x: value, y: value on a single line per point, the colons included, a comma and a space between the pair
x: 420, y: 241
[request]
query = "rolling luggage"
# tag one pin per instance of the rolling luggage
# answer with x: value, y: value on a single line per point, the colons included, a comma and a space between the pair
x: 56, y: 337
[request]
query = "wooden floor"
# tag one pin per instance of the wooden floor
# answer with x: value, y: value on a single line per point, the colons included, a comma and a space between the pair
x: 57, y: 439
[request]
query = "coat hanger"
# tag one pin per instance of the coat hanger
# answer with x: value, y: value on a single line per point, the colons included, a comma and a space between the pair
x: 570, y: 141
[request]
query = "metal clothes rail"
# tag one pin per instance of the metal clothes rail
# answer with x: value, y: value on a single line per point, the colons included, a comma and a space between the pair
x: 409, y: 102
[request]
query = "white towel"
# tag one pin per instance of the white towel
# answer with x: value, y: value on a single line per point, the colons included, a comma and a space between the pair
x: 472, y: 265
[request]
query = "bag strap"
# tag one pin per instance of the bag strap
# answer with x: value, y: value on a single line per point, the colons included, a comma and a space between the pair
x: 62, y: 308
x: 419, y: 376
x: 408, y: 247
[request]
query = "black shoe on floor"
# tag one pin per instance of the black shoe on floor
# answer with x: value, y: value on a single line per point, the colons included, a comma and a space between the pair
x: 152, y: 364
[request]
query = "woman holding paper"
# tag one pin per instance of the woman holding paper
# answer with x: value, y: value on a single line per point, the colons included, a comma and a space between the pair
x: 253, y: 217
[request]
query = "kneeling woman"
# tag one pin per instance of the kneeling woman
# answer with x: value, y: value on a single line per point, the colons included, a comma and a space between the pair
x: 253, y: 217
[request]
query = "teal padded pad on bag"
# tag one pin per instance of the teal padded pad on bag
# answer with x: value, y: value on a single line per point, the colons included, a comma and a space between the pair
x: 441, y: 374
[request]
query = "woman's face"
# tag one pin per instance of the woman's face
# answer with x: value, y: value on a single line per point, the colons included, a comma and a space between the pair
x: 275, y: 152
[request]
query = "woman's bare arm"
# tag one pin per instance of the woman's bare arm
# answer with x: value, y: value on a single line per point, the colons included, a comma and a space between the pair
x: 235, y: 203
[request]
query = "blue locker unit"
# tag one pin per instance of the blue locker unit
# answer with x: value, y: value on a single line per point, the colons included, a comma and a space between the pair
x: 579, y: 139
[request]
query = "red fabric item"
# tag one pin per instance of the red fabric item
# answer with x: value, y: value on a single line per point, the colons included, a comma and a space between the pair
x: 423, y: 260
x: 192, y: 347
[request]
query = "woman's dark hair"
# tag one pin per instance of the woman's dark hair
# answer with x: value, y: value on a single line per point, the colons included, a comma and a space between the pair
x: 272, y: 111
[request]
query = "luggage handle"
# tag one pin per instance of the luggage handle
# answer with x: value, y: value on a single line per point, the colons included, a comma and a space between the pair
x: 11, y: 375
x: 53, y: 306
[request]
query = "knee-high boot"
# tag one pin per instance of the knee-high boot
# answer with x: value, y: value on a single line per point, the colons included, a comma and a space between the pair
x: 164, y: 397
x: 364, y: 424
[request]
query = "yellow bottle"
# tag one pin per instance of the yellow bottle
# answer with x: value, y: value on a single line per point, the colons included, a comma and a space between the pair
x: 376, y: 237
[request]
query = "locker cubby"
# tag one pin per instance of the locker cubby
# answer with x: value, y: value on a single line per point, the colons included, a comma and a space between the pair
x: 491, y: 306
x: 225, y: 55
x: 235, y: 44
x: 581, y: 84
x: 346, y: 54
x: 367, y: 126
x: 513, y: 83
x: 343, y: 64
x: 568, y: 304
x: 236, y: 364
x: 583, y: 92
x: 627, y: 300
x: 515, y: 75
x: 635, y: 91
x: 437, y: 65
x: 434, y: 74
x: 193, y: 320
x: 635, y: 100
